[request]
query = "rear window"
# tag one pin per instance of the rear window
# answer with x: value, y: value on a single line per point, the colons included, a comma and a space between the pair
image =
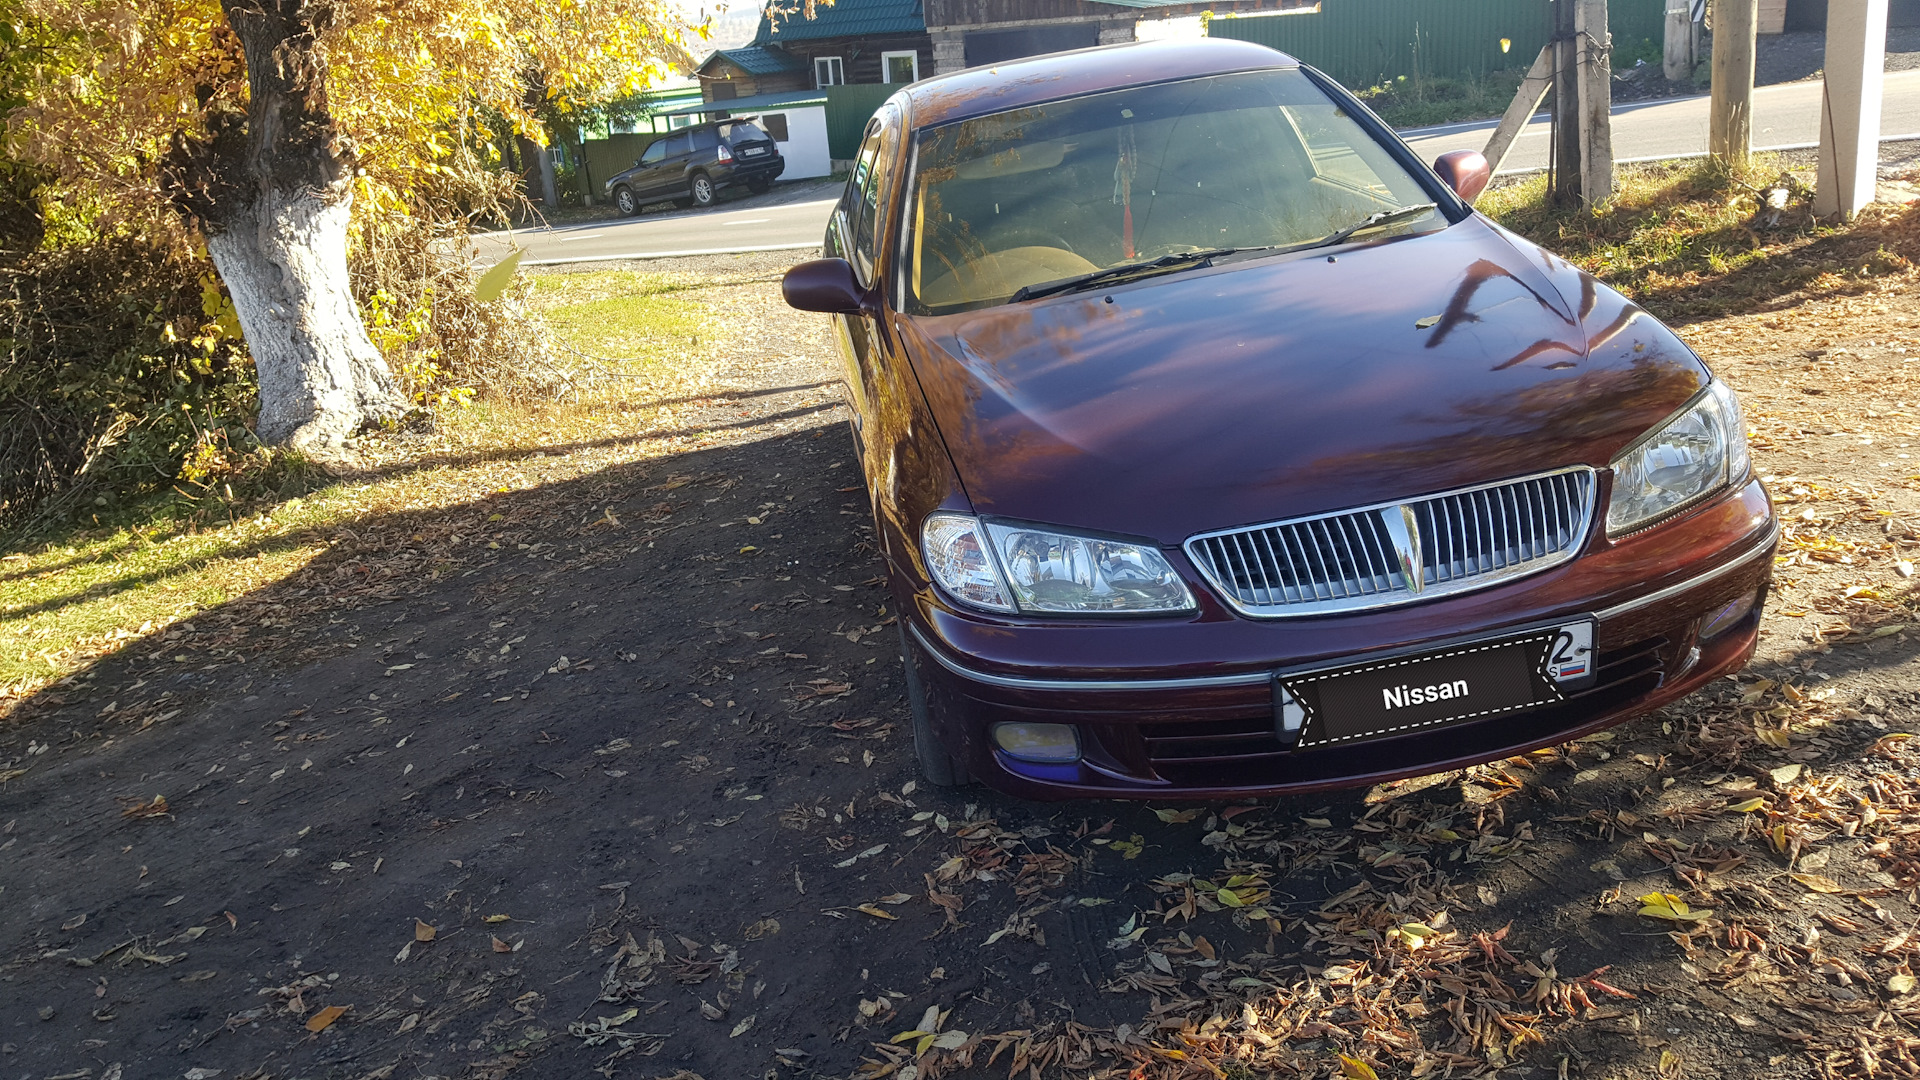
x: 743, y: 133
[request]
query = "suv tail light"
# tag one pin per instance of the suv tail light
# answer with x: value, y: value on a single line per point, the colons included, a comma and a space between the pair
x: 726, y: 155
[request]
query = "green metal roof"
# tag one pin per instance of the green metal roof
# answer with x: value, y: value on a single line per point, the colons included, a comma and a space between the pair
x: 756, y: 103
x: 759, y: 60
x: 844, y: 18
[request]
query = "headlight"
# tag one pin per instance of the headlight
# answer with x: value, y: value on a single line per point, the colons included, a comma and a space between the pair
x: 1698, y: 452
x: 1039, y: 570
x: 958, y: 559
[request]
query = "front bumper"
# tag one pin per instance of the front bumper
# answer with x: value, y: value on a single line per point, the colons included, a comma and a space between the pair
x: 1190, y: 729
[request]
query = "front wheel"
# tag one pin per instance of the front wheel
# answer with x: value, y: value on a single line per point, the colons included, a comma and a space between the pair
x: 936, y: 765
x: 702, y: 190
x: 625, y: 201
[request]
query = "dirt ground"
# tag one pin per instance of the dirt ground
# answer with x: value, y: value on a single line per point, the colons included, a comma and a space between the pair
x: 611, y: 774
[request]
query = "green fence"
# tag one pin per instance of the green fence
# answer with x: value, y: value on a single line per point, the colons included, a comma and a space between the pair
x: 1364, y: 42
x: 614, y: 154
x: 848, y: 110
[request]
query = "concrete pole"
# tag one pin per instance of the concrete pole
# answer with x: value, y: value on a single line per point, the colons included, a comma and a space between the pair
x: 1730, y: 133
x: 1566, y: 105
x: 1596, y: 101
x: 1677, y: 59
x: 1850, y: 117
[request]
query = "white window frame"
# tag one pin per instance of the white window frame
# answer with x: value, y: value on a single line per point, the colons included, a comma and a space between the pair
x: 886, y: 67
x: 834, y: 64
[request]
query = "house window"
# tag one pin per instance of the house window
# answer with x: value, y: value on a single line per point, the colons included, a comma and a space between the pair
x: 725, y: 90
x: 900, y: 67
x: 828, y: 71
x: 775, y: 125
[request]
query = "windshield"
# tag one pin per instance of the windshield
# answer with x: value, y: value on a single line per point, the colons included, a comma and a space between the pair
x: 1053, y: 191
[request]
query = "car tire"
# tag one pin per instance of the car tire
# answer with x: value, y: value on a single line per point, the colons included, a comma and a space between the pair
x: 937, y: 766
x: 625, y: 201
x: 701, y: 189
x: 760, y: 187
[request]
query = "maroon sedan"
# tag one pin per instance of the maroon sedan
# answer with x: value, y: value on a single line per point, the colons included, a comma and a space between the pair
x: 1217, y: 447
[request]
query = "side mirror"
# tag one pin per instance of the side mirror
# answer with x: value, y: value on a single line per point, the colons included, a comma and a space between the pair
x: 1465, y: 171
x: 823, y: 285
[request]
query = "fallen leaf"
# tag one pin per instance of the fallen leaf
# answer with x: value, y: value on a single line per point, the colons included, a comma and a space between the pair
x: 742, y: 1027
x: 1671, y: 908
x: 156, y: 808
x: 1352, y: 1067
x: 876, y: 912
x: 324, y: 1019
x: 1177, y: 817
x: 1786, y: 774
x: 423, y: 932
x: 498, y: 919
x: 1900, y: 984
x: 1747, y: 806
x: 1817, y: 883
x: 501, y: 946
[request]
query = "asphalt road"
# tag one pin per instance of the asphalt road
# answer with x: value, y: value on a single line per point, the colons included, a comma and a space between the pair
x: 1784, y: 117
x: 750, y: 225
x: 794, y: 217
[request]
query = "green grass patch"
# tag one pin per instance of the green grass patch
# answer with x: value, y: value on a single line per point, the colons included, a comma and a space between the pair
x: 117, y: 573
x: 1407, y: 102
x: 651, y: 319
x: 1693, y: 240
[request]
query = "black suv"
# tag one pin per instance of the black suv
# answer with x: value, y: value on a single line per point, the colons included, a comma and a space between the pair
x: 693, y: 165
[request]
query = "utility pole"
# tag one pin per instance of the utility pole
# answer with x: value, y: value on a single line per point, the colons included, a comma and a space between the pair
x: 1677, y: 58
x: 1566, y: 104
x: 1850, y: 120
x: 1730, y: 134
x: 1595, y: 50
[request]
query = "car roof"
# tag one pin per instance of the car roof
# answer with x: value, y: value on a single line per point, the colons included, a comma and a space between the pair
x: 1034, y: 79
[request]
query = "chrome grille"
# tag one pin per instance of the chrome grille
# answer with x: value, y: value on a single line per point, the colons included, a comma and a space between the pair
x: 1394, y: 553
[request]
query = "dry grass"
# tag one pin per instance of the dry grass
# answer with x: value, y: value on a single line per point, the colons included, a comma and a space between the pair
x: 1692, y: 240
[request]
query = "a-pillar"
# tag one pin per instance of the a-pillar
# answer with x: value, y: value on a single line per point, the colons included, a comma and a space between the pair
x: 1850, y: 114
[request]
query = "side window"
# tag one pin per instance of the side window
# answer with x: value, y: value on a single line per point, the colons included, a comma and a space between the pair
x: 655, y: 153
x: 678, y: 144
x: 849, y: 210
x: 705, y: 139
x: 867, y: 220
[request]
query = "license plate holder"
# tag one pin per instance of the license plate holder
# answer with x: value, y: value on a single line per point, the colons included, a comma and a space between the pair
x: 1457, y: 684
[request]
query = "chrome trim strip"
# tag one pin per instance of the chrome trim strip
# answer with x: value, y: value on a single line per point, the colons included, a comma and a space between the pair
x: 1260, y: 678
x: 1773, y: 534
x: 1344, y: 604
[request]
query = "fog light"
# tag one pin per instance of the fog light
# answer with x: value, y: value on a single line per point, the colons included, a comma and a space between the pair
x: 1053, y: 743
x: 1727, y: 616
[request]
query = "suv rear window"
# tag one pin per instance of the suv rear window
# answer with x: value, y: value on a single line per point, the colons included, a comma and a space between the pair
x: 743, y: 133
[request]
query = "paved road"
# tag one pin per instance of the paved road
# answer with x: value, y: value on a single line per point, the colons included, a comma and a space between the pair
x: 746, y: 226
x: 1784, y: 117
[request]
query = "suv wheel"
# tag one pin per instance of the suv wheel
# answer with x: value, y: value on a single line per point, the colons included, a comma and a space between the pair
x: 625, y: 201
x: 759, y: 186
x: 702, y: 187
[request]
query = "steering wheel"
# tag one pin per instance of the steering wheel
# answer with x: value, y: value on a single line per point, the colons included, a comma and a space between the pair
x: 1040, y: 237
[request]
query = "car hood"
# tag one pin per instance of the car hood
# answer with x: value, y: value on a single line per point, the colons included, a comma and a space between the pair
x: 1295, y: 384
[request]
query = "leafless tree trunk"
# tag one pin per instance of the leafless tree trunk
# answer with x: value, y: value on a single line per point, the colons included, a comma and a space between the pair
x: 272, y: 189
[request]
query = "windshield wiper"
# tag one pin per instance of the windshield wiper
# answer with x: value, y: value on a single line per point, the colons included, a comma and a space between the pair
x: 1384, y: 217
x: 1165, y: 264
